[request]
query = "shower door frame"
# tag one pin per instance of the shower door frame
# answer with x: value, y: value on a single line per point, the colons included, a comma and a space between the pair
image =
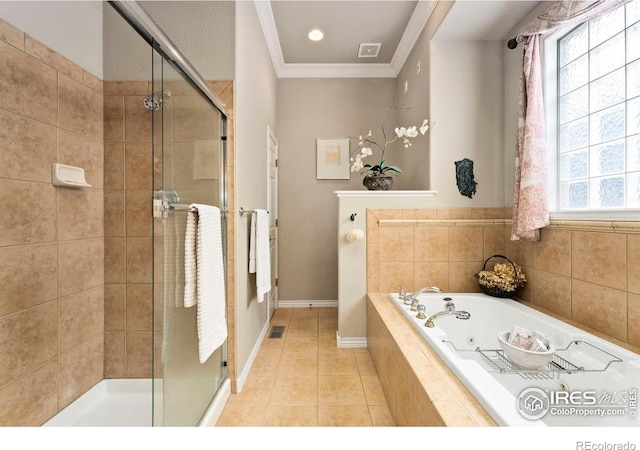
x: 149, y: 30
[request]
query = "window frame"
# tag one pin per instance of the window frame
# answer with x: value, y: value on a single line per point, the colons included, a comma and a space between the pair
x: 550, y: 71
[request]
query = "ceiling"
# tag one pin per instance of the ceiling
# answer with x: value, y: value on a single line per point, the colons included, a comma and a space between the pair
x: 396, y: 24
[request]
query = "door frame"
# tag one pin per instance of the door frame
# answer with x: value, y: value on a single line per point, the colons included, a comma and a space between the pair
x: 272, y: 207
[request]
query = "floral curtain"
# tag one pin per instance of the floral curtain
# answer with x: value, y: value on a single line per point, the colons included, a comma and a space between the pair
x: 531, y: 206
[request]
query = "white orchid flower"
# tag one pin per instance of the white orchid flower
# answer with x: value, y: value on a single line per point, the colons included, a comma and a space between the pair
x: 366, y: 151
x: 357, y: 164
x: 425, y: 126
x: 412, y: 132
x: 401, y: 132
x: 407, y: 143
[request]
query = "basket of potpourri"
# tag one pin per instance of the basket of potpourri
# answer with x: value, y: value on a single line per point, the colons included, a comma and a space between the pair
x: 504, y: 281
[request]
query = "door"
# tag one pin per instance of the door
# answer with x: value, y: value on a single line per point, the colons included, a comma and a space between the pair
x: 188, y: 151
x: 272, y: 207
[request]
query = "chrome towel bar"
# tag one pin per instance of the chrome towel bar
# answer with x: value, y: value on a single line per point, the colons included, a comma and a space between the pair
x: 246, y: 211
x: 180, y: 207
x: 162, y: 207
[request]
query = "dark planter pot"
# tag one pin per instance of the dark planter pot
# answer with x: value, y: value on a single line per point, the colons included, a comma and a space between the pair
x: 378, y: 183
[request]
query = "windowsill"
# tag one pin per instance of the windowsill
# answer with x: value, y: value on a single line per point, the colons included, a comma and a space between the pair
x: 385, y: 194
x: 609, y: 216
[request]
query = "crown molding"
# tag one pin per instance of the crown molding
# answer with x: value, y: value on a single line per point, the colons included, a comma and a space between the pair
x: 415, y: 26
x: 268, y: 23
x: 336, y: 71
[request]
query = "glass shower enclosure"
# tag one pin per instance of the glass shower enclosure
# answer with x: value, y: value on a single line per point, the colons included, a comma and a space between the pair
x: 188, y: 135
x: 188, y: 155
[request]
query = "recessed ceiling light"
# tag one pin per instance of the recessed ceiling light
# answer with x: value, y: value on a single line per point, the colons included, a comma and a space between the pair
x: 316, y: 35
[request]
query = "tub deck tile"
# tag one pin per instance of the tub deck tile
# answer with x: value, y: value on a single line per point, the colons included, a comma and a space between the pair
x: 450, y: 403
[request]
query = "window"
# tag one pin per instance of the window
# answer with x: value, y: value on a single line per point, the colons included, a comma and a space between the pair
x: 597, y: 121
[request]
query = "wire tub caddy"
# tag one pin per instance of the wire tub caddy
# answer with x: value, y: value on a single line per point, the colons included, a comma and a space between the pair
x: 497, y: 361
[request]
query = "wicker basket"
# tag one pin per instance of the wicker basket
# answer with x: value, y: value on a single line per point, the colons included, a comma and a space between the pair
x: 494, y: 291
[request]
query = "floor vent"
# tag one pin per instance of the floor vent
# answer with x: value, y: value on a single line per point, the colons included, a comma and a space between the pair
x: 276, y: 332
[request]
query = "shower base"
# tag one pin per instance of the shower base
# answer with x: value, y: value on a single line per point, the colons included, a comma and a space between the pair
x: 127, y: 403
x: 110, y: 403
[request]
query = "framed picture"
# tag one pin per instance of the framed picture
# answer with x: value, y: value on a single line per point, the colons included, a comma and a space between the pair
x: 332, y: 159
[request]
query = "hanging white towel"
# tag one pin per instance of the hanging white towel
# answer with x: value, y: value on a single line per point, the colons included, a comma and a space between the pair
x: 190, y: 261
x: 259, y: 257
x: 204, y: 276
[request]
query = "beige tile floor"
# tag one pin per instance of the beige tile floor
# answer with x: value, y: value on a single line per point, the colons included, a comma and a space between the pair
x: 303, y: 379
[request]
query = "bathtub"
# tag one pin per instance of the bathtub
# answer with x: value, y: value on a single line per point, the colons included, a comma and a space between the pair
x: 591, y: 382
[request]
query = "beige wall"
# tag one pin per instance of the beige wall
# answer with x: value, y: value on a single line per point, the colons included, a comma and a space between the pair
x: 460, y: 87
x: 467, y: 91
x: 51, y: 249
x: 309, y: 109
x: 71, y: 29
x: 586, y: 272
x: 255, y: 109
x: 415, y: 163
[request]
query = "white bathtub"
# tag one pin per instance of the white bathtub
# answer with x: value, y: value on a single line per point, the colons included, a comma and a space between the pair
x: 598, y: 388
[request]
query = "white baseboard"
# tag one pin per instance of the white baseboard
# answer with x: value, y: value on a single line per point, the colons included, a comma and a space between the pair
x: 307, y: 303
x: 351, y: 342
x: 252, y: 357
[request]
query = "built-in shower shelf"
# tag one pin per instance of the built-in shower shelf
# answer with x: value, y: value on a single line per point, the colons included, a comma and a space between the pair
x: 68, y: 176
x: 497, y: 361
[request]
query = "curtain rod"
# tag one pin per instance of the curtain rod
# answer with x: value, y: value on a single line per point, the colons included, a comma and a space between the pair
x: 513, y: 43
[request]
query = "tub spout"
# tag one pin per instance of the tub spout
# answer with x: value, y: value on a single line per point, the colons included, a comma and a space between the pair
x: 464, y: 315
x: 408, y: 298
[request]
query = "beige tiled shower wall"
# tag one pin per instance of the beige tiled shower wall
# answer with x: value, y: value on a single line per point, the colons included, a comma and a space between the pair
x: 129, y: 184
x: 52, y: 238
x: 587, y: 272
x: 128, y: 230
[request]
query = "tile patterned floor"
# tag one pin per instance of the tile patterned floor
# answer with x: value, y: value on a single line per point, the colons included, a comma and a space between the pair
x: 303, y: 379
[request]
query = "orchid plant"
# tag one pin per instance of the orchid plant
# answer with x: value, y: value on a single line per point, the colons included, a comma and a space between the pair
x: 365, y: 144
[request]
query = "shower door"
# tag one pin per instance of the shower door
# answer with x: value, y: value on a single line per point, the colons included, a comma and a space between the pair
x: 189, y: 162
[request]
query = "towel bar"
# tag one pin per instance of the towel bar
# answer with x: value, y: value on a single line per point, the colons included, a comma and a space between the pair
x: 161, y: 208
x: 179, y: 207
x: 247, y: 211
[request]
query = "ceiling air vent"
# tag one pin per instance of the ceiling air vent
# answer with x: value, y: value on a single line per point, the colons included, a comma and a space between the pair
x: 369, y: 50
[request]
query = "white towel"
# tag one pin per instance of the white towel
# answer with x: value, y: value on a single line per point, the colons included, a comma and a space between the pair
x: 204, y: 277
x: 259, y: 256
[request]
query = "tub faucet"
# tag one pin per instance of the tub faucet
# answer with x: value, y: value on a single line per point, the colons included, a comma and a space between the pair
x: 449, y: 310
x: 409, y: 298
